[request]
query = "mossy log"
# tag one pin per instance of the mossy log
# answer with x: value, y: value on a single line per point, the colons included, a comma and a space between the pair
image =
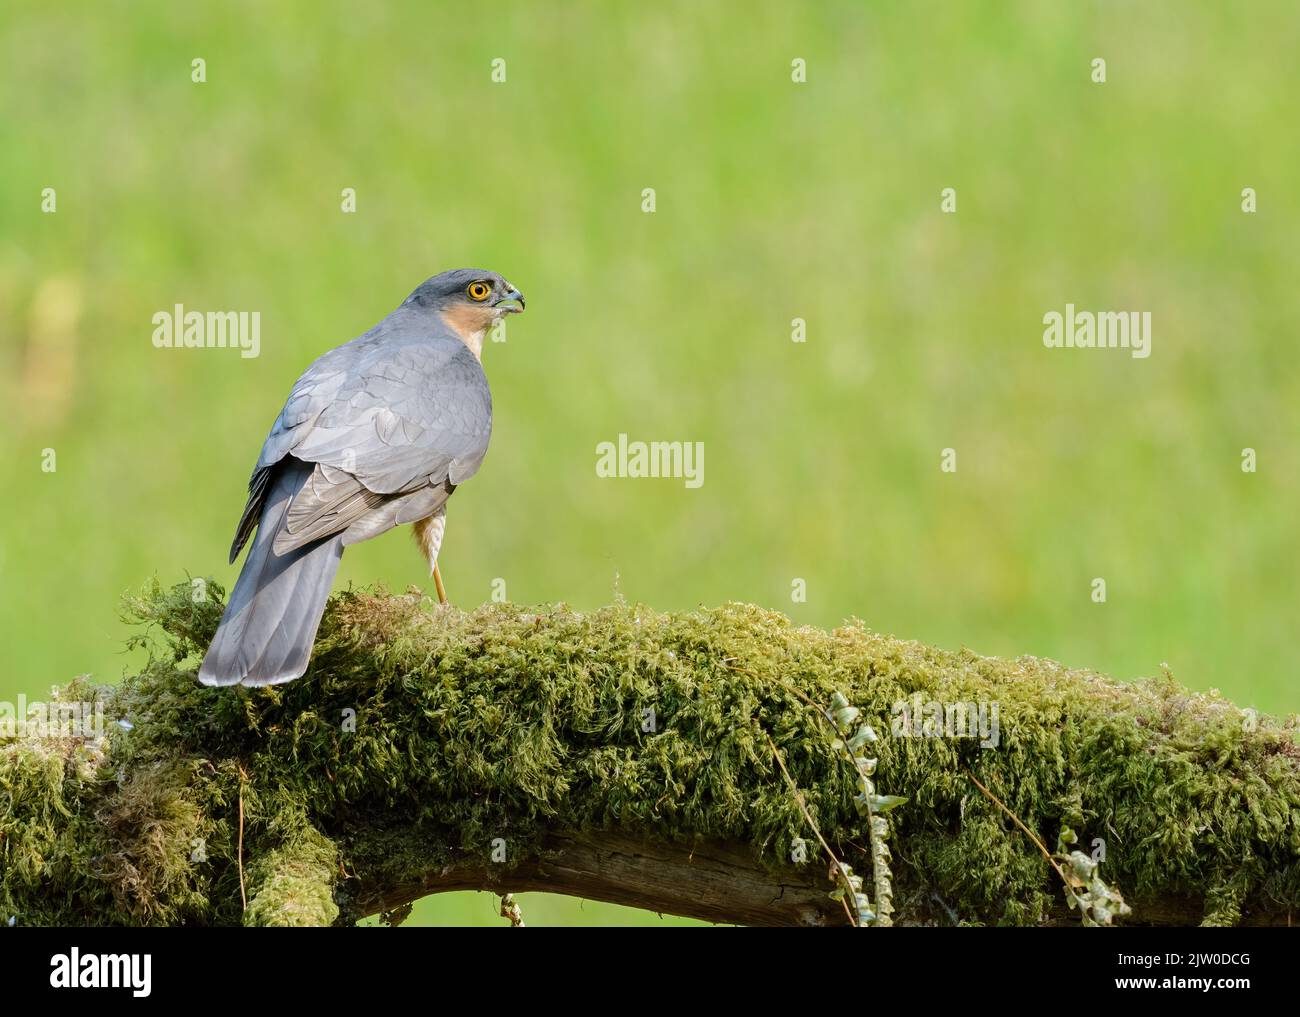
x: 627, y: 755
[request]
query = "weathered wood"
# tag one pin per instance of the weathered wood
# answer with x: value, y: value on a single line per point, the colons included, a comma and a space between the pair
x: 714, y: 882
x: 720, y: 883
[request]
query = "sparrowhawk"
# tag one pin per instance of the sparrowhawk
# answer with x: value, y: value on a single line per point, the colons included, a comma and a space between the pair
x: 376, y: 433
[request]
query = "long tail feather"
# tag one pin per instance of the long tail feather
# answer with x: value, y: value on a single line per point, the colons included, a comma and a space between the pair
x: 266, y: 634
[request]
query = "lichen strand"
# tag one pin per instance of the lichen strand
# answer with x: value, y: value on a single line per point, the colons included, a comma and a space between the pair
x: 423, y: 735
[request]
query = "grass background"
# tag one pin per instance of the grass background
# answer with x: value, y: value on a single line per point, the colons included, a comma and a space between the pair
x: 775, y: 200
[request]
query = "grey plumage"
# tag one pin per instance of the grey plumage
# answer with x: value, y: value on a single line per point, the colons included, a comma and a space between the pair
x: 375, y: 433
x: 266, y: 634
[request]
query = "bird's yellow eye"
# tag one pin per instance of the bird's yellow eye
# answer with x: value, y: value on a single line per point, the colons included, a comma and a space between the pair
x: 478, y: 290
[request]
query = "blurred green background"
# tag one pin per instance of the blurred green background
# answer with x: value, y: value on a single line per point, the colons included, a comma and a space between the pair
x: 775, y: 200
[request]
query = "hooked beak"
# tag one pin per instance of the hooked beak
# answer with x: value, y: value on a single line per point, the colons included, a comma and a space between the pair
x: 508, y: 308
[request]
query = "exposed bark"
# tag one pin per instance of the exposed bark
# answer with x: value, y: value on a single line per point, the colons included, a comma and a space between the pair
x: 716, y: 883
x: 713, y: 882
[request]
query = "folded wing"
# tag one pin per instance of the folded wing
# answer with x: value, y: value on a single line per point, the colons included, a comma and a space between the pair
x: 391, y: 428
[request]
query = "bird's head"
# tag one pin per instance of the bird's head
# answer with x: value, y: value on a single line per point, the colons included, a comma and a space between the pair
x: 469, y: 301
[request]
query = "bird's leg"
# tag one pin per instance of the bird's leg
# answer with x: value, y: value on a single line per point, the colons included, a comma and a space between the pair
x: 428, y: 535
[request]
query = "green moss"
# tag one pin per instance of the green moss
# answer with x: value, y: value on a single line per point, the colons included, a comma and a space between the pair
x: 423, y: 734
x: 293, y: 884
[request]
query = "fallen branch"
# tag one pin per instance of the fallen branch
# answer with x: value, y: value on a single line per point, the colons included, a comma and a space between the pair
x: 623, y: 755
